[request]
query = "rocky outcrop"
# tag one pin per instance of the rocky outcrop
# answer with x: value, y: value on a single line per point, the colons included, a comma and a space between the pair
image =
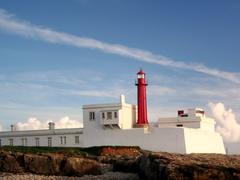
x: 48, y: 164
x: 193, y: 166
x: 129, y: 163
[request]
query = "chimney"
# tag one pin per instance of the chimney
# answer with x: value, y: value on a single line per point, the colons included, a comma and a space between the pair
x: 122, y: 99
x: 13, y: 127
x: 51, y: 125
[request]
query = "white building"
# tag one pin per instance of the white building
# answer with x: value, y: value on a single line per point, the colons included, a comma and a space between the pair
x: 115, y: 124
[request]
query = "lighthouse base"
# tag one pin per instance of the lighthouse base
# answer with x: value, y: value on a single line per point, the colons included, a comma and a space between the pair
x: 141, y: 126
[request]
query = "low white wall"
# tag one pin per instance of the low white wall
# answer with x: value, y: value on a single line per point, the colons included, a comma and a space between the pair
x: 178, y: 140
x: 203, y: 141
x: 158, y: 139
x: 43, y: 140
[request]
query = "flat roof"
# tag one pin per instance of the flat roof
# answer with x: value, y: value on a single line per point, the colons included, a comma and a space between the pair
x: 42, y: 132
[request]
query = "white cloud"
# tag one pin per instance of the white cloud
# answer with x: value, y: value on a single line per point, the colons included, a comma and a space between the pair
x: 31, y: 124
x: 156, y: 90
x: 93, y: 93
x: 227, y: 125
x: 34, y: 124
x: 11, y: 24
x: 66, y: 122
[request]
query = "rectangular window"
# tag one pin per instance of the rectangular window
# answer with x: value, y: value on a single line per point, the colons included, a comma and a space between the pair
x: 49, y: 142
x: 76, y: 139
x: 22, y: 141
x: 25, y: 140
x: 179, y: 125
x: 11, y: 142
x: 91, y: 115
x: 65, y: 140
x: 109, y: 115
x: 61, y: 139
x: 115, y: 114
x: 37, y: 140
x: 103, y: 115
x: 0, y: 143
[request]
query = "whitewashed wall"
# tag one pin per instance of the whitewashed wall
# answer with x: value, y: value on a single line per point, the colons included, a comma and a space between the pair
x: 43, y: 136
x: 201, y: 141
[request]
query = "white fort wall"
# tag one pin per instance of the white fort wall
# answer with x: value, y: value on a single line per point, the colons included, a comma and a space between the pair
x: 201, y: 141
x: 159, y: 139
x: 52, y: 138
x: 178, y: 140
x: 115, y: 125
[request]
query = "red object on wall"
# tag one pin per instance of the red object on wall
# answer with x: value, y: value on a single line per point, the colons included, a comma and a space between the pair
x: 180, y: 113
x: 142, y: 98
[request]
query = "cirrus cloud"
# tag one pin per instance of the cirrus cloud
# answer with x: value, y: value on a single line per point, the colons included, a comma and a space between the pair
x: 10, y: 23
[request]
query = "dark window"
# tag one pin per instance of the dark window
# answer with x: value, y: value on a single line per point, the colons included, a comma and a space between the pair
x: 199, y: 111
x: 11, y: 142
x: 65, y: 140
x: 109, y: 115
x: 91, y: 115
x: 76, y: 139
x: 179, y: 125
x: 49, y: 142
x: 22, y: 141
x: 25, y: 140
x: 115, y: 115
x: 103, y: 115
x: 37, y: 142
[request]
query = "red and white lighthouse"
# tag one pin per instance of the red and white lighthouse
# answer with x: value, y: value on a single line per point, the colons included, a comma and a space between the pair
x: 142, y: 98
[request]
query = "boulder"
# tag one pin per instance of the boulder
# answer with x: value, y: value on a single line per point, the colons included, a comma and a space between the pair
x: 193, y: 166
x: 76, y: 166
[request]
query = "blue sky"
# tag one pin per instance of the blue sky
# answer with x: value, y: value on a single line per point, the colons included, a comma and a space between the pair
x: 189, y: 50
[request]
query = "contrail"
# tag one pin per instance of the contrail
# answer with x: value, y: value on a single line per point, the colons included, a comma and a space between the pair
x: 11, y: 24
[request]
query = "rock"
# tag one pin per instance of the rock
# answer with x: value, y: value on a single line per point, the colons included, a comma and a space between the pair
x: 81, y: 166
x: 8, y: 163
x: 193, y: 166
x: 107, y: 176
x: 37, y: 164
x: 130, y: 164
x: 113, y: 163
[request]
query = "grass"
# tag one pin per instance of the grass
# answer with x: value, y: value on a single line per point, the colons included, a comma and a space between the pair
x: 90, y: 151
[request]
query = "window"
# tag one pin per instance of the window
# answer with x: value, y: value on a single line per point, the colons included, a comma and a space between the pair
x: 49, y: 142
x: 91, y: 115
x: 61, y: 139
x: 24, y: 141
x: 37, y: 140
x: 76, y: 139
x: 109, y: 115
x: 179, y: 125
x: 103, y: 115
x: 140, y: 76
x: 65, y: 140
x: 11, y: 142
x: 115, y: 114
x: 0, y: 143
